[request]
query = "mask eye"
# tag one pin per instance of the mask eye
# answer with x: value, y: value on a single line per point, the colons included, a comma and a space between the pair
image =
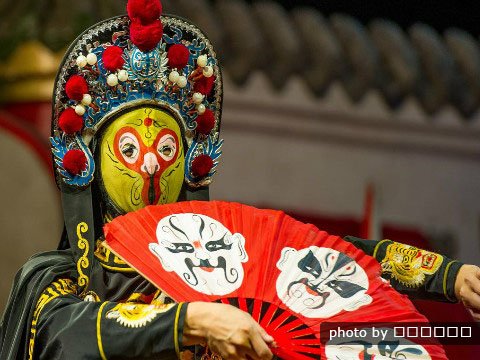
x: 128, y: 146
x: 129, y: 150
x: 166, y: 150
x: 167, y: 147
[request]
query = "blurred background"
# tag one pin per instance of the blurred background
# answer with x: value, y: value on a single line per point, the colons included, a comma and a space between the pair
x: 358, y: 116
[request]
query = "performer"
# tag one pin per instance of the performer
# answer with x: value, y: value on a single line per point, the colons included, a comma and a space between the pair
x: 136, y: 118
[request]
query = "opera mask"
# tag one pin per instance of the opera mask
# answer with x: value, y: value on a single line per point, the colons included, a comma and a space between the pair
x: 320, y: 282
x: 142, y: 159
x: 202, y: 252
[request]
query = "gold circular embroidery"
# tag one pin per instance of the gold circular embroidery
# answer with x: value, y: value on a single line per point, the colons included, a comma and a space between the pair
x: 136, y: 315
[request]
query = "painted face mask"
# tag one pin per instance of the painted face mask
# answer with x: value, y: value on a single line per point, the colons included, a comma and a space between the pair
x: 135, y: 121
x: 320, y: 282
x: 142, y: 159
x: 202, y: 251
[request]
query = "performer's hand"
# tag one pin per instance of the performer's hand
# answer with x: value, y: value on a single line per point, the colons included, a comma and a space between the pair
x: 228, y: 331
x: 467, y: 289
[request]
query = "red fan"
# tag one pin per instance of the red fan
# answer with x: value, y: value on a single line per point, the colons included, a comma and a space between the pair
x: 290, y: 276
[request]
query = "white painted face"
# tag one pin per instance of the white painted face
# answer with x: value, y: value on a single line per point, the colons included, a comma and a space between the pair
x: 320, y: 282
x: 385, y: 348
x: 202, y: 252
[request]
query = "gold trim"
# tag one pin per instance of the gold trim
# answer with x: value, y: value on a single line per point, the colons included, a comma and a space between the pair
x: 58, y: 288
x: 104, y: 243
x: 378, y: 246
x: 114, y: 268
x: 445, y: 275
x: 136, y: 298
x: 118, y: 261
x: 109, y: 261
x: 99, y: 331
x: 101, y: 252
x: 82, y: 262
x: 175, y: 329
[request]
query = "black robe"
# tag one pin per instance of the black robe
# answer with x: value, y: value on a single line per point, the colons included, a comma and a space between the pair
x: 30, y: 282
x: 71, y: 328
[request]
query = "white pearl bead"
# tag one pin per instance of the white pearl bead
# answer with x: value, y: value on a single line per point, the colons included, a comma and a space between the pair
x: 112, y: 80
x: 208, y: 71
x: 173, y: 77
x: 123, y: 75
x: 182, y: 81
x: 197, y: 98
x: 80, y: 110
x: 87, y: 99
x: 201, y: 109
x: 81, y: 61
x: 202, y: 61
x: 91, y: 59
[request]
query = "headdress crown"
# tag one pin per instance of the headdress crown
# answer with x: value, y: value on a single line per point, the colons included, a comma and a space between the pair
x: 127, y: 61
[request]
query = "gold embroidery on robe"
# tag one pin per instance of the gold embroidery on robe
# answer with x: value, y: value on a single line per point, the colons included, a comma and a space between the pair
x: 60, y: 287
x: 83, y: 263
x: 110, y: 261
x: 410, y: 265
x: 136, y: 315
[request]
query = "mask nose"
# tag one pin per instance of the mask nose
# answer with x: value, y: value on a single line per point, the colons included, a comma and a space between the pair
x: 150, y: 164
x: 319, y: 283
x: 200, y: 253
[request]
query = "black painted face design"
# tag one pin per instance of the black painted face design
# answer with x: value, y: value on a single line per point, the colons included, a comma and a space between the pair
x: 320, y: 282
x: 203, y: 252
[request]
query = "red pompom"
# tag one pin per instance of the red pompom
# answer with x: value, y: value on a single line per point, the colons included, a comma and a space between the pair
x: 112, y: 58
x: 178, y: 56
x: 76, y: 87
x: 205, y: 122
x: 146, y: 37
x: 204, y: 85
x: 201, y: 166
x: 144, y: 11
x: 75, y: 161
x: 70, y: 122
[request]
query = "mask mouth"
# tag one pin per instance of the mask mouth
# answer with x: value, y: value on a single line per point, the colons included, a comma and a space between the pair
x: 231, y: 276
x: 206, y: 266
x: 151, y: 189
x: 203, y: 265
x: 310, y: 289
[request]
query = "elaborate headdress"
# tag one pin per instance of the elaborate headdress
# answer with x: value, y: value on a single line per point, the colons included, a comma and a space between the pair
x: 143, y: 59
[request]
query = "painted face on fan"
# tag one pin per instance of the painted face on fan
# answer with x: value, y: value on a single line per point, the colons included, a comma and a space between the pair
x: 375, y: 348
x: 202, y: 252
x: 319, y: 282
x: 142, y: 159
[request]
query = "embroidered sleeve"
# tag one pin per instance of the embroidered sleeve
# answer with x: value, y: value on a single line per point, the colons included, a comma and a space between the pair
x: 67, y: 327
x: 418, y: 273
x: 60, y: 287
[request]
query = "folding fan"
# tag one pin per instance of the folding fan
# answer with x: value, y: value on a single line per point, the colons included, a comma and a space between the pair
x: 290, y: 276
